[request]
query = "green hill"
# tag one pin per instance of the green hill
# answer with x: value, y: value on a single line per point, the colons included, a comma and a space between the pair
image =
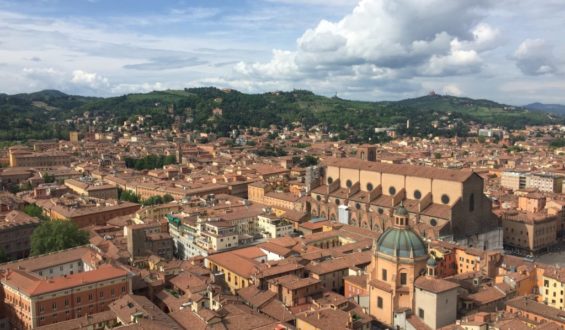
x: 51, y: 114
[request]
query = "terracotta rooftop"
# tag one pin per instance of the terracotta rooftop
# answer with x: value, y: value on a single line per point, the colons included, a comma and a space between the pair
x: 435, y: 285
x: 534, y: 307
x: 33, y: 285
x: 408, y: 170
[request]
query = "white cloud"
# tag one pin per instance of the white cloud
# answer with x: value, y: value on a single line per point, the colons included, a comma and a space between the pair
x: 452, y: 89
x: 535, y: 57
x: 405, y: 38
x: 89, y: 79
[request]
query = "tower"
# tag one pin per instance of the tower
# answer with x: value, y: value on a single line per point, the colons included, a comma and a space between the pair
x: 367, y: 152
x: 179, y: 150
x: 399, y: 257
x: 73, y: 136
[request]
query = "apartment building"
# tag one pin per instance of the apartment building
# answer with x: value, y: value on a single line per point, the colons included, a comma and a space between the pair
x: 16, y: 228
x: 60, y: 286
x: 85, y: 212
x: 546, y: 182
x: 149, y: 238
x: 553, y: 290
x: 23, y: 157
x: 514, y: 180
x: 95, y: 190
x: 529, y: 231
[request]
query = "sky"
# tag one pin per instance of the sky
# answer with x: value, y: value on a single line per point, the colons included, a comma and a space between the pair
x: 511, y: 51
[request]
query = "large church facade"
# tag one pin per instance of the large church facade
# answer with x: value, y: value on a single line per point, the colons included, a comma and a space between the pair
x: 441, y: 203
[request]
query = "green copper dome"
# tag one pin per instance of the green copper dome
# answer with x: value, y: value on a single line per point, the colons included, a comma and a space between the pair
x: 400, y: 242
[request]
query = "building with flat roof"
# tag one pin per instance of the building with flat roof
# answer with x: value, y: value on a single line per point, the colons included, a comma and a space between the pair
x: 23, y: 157
x: 92, y: 189
x: 16, y: 228
x: 546, y: 182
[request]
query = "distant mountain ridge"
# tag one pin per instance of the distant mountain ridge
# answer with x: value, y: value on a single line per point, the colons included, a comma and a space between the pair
x: 553, y: 108
x: 51, y: 113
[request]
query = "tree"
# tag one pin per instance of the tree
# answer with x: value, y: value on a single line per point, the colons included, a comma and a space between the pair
x: 48, y: 178
x: 128, y: 196
x: 57, y: 235
x: 34, y: 211
x: 153, y: 200
x: 168, y: 198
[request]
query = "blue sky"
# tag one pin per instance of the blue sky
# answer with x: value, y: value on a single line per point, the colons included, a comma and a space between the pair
x: 507, y: 50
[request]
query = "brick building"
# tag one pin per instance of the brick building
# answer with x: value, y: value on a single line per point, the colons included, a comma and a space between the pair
x: 59, y: 286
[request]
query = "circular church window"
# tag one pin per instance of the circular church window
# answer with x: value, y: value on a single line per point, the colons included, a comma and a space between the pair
x: 445, y: 199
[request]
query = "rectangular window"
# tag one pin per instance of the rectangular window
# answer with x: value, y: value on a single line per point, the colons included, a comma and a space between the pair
x: 403, y: 278
x: 379, y: 302
x: 384, y: 273
x: 421, y: 313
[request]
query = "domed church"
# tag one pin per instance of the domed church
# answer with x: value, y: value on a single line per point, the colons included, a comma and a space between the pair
x: 399, y: 257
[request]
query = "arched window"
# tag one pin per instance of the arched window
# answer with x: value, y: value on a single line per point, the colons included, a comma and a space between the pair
x: 472, y: 202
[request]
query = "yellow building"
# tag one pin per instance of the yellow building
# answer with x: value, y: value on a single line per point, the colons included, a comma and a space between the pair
x: 73, y: 136
x: 238, y: 267
x: 23, y: 157
x: 552, y: 291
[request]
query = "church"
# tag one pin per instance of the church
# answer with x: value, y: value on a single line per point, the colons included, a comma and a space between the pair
x: 441, y: 203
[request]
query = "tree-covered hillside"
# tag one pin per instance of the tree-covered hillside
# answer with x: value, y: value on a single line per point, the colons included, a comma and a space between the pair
x: 51, y: 114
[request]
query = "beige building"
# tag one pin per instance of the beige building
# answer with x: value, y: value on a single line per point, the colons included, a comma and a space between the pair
x: 529, y: 231
x: 399, y: 257
x: 272, y: 226
x: 23, y: 157
x: 514, y: 180
x: 531, y: 203
x: 102, y: 191
x: 546, y: 182
x: 442, y: 203
x: 435, y: 300
x: 330, y: 318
